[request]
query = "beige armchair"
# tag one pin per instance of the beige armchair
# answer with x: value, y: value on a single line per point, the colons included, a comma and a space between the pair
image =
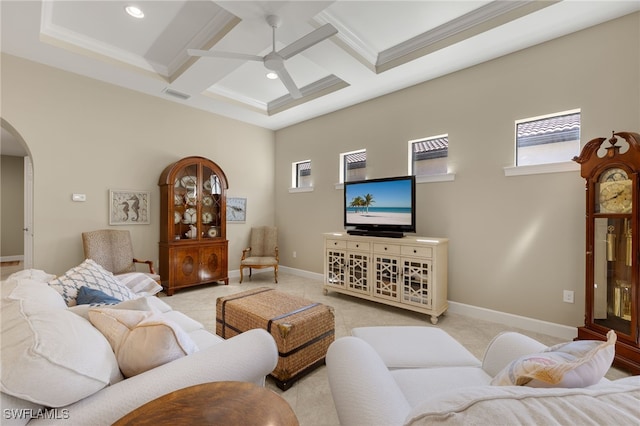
x: 113, y: 251
x: 263, y: 251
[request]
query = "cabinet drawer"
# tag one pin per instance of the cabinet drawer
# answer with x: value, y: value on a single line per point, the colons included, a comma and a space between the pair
x: 386, y: 249
x: 357, y: 245
x: 336, y: 244
x: 416, y: 251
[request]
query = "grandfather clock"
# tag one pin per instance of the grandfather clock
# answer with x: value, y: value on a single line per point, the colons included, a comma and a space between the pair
x: 611, y: 169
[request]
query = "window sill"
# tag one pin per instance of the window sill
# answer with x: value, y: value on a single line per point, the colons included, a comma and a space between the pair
x: 448, y: 177
x: 296, y: 190
x: 567, y: 166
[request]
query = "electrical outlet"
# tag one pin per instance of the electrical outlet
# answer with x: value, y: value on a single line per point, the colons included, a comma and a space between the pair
x: 567, y: 296
x: 295, y: 254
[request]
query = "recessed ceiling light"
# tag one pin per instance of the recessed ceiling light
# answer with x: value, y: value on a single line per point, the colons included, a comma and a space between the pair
x: 272, y: 75
x: 134, y: 11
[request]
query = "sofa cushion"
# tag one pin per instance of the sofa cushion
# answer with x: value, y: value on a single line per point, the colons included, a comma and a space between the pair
x: 44, y: 348
x: 139, y: 283
x: 89, y: 274
x: 568, y: 365
x: 615, y: 403
x: 414, y: 346
x: 141, y: 340
x: 139, y: 304
x: 418, y: 384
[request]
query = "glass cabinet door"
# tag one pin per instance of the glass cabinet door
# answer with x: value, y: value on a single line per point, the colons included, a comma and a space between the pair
x: 613, y: 251
x: 612, y: 273
x: 185, y: 203
x: 211, y: 210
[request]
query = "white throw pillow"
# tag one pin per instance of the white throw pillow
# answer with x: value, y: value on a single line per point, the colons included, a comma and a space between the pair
x: 574, y: 364
x: 139, y: 283
x: 49, y: 355
x: 141, y: 340
x: 139, y: 304
x: 33, y: 293
x: 32, y: 274
x: 89, y: 274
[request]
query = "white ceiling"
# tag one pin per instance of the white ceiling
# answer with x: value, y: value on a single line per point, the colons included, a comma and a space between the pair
x: 381, y: 46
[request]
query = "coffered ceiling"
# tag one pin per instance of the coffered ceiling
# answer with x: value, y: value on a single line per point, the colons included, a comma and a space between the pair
x: 380, y: 46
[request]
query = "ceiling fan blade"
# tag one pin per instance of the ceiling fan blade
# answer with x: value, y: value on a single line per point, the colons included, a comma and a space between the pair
x: 227, y: 55
x: 314, y: 37
x: 288, y: 82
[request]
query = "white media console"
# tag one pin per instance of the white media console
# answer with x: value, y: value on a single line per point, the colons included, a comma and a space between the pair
x: 408, y: 272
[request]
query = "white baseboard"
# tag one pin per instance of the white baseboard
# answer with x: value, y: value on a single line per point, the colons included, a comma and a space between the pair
x: 16, y: 258
x: 531, y: 324
x: 299, y: 272
x: 525, y: 323
x: 303, y: 273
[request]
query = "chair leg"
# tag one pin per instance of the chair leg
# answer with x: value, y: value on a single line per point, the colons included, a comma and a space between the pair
x: 241, y: 269
x: 275, y: 273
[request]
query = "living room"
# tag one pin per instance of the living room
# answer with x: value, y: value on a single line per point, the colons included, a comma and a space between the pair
x: 515, y: 242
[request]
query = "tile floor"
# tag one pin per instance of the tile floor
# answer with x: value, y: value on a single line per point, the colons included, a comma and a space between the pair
x: 310, y: 397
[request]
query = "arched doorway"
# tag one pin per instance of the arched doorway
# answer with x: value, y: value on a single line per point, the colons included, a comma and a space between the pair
x: 13, y: 148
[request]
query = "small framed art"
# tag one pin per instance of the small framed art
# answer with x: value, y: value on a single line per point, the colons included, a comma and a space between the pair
x: 128, y: 207
x: 236, y: 209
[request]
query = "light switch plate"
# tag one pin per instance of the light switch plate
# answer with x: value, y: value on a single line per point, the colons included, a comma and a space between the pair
x: 79, y: 197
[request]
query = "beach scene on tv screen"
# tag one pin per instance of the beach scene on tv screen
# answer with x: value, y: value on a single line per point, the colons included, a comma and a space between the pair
x: 378, y: 203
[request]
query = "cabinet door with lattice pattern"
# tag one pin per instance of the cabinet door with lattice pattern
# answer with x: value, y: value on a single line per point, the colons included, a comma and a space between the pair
x: 386, y: 282
x: 416, y: 282
x: 336, y: 268
x: 358, y: 271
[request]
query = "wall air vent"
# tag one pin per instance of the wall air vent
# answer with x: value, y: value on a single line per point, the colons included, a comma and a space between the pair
x: 176, y: 94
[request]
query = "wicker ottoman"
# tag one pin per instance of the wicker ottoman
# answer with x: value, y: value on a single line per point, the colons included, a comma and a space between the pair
x: 303, y: 330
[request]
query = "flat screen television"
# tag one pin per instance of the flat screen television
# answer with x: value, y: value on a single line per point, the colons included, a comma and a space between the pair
x: 380, y: 207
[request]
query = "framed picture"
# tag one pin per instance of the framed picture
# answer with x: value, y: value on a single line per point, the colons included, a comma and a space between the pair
x: 128, y: 207
x: 236, y: 209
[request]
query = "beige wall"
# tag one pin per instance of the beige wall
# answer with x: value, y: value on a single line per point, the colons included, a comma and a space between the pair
x: 88, y: 137
x: 12, y: 204
x: 515, y: 242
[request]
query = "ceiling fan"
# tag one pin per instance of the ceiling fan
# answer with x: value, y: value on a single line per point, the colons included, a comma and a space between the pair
x: 274, y: 61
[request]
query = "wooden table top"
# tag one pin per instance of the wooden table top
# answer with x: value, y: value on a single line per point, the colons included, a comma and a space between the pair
x: 215, y: 403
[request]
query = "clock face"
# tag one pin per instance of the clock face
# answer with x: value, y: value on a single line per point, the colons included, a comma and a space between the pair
x: 612, y: 175
x: 615, y: 193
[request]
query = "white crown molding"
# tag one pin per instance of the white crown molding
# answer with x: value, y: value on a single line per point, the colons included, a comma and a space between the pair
x: 453, y: 27
x: 321, y: 87
x: 63, y: 37
x: 221, y: 24
x: 236, y: 97
x: 348, y: 37
x: 215, y: 29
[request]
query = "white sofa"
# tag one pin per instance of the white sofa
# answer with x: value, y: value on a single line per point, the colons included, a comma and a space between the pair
x: 421, y: 376
x: 52, y: 356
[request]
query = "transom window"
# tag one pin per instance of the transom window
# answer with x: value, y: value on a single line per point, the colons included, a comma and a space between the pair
x: 353, y: 166
x: 301, y: 174
x: 428, y: 156
x: 552, y: 138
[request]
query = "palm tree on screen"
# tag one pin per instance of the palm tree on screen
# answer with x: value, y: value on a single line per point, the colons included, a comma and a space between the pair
x: 357, y: 202
x: 368, y: 200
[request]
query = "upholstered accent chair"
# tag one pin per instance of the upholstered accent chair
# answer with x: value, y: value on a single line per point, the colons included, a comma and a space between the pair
x: 262, y: 252
x: 113, y: 250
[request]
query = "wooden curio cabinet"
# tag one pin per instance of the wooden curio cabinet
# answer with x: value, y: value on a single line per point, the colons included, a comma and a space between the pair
x: 193, y: 243
x: 611, y: 169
